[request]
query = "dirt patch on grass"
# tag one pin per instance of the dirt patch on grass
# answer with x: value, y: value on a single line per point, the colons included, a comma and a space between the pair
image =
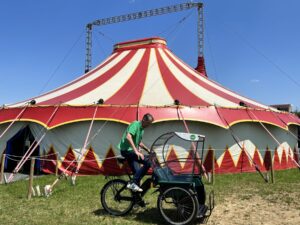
x: 256, y: 210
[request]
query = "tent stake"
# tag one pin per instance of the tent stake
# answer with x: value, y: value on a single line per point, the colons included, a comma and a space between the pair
x: 56, y: 167
x: 32, y: 162
x: 2, y: 168
x: 213, y: 167
x: 272, y: 170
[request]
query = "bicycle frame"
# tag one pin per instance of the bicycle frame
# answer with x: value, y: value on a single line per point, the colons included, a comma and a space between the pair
x: 146, y: 185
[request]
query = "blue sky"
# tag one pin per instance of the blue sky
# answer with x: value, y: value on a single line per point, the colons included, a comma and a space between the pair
x: 251, y: 47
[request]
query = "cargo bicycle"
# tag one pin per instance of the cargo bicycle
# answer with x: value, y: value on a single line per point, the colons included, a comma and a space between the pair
x: 182, y: 197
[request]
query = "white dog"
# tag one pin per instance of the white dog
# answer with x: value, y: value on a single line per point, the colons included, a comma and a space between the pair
x: 47, y: 190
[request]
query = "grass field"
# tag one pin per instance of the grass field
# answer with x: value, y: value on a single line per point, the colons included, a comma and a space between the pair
x: 80, y: 204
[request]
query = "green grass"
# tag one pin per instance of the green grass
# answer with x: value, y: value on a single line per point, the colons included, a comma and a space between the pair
x: 80, y: 204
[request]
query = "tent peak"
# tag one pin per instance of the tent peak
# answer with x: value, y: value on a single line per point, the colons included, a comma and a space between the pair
x: 201, y: 66
x: 152, y: 42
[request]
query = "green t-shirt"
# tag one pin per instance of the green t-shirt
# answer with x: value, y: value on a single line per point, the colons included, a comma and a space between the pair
x: 136, y: 130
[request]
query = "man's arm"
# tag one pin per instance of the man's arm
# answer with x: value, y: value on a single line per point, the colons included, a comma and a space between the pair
x: 143, y: 146
x: 129, y: 138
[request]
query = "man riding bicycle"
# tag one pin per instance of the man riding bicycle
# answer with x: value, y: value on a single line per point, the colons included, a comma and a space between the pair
x: 129, y: 148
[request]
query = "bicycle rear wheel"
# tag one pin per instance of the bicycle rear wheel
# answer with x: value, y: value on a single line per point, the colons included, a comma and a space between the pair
x: 116, y: 199
x: 178, y: 205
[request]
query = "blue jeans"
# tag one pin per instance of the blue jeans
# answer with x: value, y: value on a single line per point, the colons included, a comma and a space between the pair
x: 134, y: 164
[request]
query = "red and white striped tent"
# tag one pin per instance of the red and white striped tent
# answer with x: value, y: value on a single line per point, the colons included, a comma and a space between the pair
x: 144, y: 76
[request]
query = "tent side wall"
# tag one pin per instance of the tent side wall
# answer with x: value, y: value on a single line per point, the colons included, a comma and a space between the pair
x: 67, y: 141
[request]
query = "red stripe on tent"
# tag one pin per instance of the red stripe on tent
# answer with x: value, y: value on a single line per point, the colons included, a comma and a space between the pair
x: 110, y: 164
x: 284, y: 162
x: 276, y: 161
x: 208, y: 162
x: 89, y: 166
x: 257, y: 161
x: 268, y: 160
x: 189, y: 164
x: 174, y: 86
x: 91, y: 85
x: 69, y: 164
x: 131, y: 92
x: 227, y: 165
x: 290, y: 163
x: 244, y: 164
x: 173, y: 162
x: 206, y: 85
x: 49, y: 164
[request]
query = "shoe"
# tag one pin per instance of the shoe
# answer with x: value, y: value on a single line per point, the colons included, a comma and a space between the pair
x: 134, y: 187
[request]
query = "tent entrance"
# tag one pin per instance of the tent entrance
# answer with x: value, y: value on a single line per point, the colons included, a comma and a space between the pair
x: 16, y: 148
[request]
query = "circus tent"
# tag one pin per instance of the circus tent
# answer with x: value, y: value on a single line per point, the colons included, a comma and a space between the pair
x: 144, y: 76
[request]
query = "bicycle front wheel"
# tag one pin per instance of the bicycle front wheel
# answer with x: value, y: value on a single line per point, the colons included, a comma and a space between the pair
x: 116, y: 199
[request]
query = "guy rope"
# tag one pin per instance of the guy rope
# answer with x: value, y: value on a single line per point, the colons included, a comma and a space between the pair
x: 294, y: 135
x: 193, y: 144
x: 85, y: 144
x: 237, y: 140
x: 272, y: 136
x: 17, y: 118
x: 49, y: 188
x: 31, y: 149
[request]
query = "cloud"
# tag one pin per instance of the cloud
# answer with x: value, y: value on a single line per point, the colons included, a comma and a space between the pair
x: 255, y: 81
x: 132, y: 1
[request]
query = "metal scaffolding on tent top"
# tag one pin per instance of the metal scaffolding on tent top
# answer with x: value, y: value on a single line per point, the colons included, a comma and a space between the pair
x: 144, y: 14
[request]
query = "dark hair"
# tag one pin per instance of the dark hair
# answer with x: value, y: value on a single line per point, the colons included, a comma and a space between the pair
x: 148, y: 117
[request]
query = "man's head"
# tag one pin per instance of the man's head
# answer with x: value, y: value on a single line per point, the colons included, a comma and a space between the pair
x: 147, y: 120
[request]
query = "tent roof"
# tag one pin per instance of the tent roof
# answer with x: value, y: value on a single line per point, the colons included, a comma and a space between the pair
x: 143, y: 72
x: 144, y: 76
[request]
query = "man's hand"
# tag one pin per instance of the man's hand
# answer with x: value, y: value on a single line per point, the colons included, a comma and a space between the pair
x: 140, y: 155
x: 135, y: 149
x: 144, y: 147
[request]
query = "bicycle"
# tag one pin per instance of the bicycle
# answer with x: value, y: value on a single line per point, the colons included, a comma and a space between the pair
x: 182, y: 194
